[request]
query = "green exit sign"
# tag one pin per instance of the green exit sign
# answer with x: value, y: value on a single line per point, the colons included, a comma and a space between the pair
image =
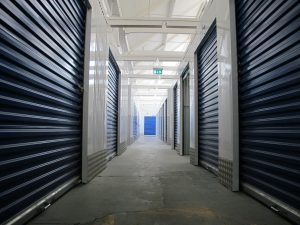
x: 158, y: 71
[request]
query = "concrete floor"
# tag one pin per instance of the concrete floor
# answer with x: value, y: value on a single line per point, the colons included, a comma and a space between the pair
x: 151, y: 185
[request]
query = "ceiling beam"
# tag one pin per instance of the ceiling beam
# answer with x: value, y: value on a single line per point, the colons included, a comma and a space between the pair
x: 136, y: 86
x: 141, y: 101
x: 169, y: 14
x: 149, y: 101
x: 150, y: 76
x: 149, y: 91
x: 151, y: 56
x: 155, y: 53
x: 150, y: 95
x: 165, y: 68
x: 106, y: 4
x: 148, y: 58
x: 152, y: 22
x: 169, y: 56
x: 133, y: 30
x: 169, y: 68
x: 153, y: 105
x: 122, y: 42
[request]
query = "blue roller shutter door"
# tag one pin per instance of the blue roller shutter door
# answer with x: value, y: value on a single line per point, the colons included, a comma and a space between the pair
x: 149, y: 125
x: 112, y: 107
x: 42, y: 45
x: 268, y: 34
x: 208, y: 128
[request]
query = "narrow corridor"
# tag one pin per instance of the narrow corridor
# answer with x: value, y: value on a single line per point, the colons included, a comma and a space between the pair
x: 151, y: 185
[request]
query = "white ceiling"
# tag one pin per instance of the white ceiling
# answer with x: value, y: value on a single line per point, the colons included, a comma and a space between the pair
x: 144, y: 31
x: 160, y: 8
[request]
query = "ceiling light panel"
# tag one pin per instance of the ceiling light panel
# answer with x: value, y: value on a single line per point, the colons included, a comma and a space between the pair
x: 178, y: 38
x: 144, y: 42
x: 176, y: 47
x: 134, y: 8
x: 144, y: 8
x: 138, y: 92
x: 158, y: 8
x: 187, y: 8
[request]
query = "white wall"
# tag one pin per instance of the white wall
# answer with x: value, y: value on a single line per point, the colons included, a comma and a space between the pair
x: 95, y: 95
x: 170, y: 119
x: 97, y: 78
x: 124, y: 110
x: 141, y: 119
x: 130, y: 116
x: 94, y: 125
x: 132, y: 112
x: 179, y: 101
x: 223, y: 11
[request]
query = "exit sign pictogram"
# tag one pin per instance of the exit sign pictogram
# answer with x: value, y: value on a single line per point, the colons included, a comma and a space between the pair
x: 158, y: 71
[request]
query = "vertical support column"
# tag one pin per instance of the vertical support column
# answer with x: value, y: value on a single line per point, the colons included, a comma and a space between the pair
x: 129, y: 141
x: 120, y: 97
x: 170, y: 118
x: 228, y: 97
x: 179, y: 113
x: 85, y: 110
x: 195, y: 161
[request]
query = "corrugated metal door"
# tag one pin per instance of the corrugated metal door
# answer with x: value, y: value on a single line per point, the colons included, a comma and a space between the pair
x: 149, y: 125
x: 208, y: 99
x: 176, y: 114
x: 185, y: 112
x: 112, y: 107
x: 268, y: 34
x: 166, y: 120
x: 42, y: 44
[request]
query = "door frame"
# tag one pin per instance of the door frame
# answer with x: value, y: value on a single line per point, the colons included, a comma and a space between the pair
x: 203, y: 42
x: 184, y: 137
x: 174, y: 90
x: 167, y: 120
x: 85, y: 99
x: 114, y: 62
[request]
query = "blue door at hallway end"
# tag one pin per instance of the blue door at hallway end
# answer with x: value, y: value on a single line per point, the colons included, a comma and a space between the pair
x: 150, y: 125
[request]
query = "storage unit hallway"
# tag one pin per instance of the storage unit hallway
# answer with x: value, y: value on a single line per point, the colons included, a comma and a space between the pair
x: 149, y: 112
x: 149, y: 184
